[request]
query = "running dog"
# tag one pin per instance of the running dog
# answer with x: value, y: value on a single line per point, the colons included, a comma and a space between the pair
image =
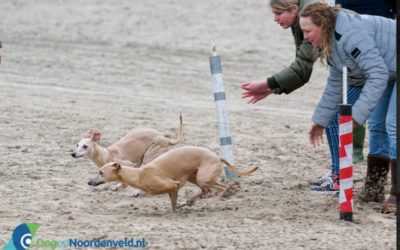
x: 138, y: 147
x: 170, y: 171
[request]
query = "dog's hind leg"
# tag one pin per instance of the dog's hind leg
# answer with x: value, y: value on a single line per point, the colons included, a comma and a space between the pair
x: 157, y: 148
x: 191, y: 200
x: 222, y: 189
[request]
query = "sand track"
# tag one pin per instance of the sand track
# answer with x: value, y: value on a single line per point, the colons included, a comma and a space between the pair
x: 119, y: 65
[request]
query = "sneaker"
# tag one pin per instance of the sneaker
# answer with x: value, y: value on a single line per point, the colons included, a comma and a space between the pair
x: 329, y: 186
x: 321, y: 180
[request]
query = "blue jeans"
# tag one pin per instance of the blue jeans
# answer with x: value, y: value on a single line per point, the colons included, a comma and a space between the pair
x: 382, y: 125
x: 332, y: 130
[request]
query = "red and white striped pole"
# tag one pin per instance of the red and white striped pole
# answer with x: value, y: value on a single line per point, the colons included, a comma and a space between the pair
x: 345, y: 156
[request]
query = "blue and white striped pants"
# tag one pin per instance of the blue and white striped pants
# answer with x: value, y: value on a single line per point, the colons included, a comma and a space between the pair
x: 332, y: 130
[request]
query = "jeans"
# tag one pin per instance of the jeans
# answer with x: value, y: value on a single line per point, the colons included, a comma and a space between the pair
x: 382, y: 125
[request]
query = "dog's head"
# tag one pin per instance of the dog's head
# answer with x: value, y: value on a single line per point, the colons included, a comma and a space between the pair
x: 107, y: 173
x: 86, y: 144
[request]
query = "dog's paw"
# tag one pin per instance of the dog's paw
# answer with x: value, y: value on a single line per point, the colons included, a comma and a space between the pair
x: 136, y: 192
x: 189, y: 202
x: 117, y: 187
x: 182, y: 204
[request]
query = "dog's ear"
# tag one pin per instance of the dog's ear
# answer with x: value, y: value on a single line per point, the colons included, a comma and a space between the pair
x: 95, y: 137
x: 116, y: 167
x: 89, y: 133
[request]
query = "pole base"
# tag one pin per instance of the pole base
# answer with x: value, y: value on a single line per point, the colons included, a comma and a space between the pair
x: 346, y: 216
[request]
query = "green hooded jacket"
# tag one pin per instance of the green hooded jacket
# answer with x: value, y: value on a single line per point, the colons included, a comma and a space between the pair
x: 299, y: 71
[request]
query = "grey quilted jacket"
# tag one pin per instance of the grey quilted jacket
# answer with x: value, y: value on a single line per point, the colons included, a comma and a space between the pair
x: 366, y: 45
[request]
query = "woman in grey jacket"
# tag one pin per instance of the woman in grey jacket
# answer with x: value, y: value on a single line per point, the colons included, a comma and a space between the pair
x: 294, y: 76
x: 366, y: 45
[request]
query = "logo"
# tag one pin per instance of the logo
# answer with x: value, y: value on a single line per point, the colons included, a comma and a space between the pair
x: 22, y: 236
x: 356, y: 52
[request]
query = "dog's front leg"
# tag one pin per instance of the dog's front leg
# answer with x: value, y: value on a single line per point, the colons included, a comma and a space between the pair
x: 118, y: 187
x: 173, y: 195
x: 136, y: 192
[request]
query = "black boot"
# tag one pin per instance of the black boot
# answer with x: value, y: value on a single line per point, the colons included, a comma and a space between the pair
x: 389, y: 205
x: 377, y: 170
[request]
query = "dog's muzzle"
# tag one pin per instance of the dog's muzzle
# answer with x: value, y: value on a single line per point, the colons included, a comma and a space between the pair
x: 73, y: 154
x: 96, y: 182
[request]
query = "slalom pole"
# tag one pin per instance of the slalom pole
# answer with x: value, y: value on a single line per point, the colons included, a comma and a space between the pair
x: 345, y: 156
x: 225, y: 139
x: 1, y: 46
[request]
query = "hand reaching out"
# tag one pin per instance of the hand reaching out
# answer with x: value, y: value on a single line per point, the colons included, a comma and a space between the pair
x: 256, y: 90
x: 315, y: 135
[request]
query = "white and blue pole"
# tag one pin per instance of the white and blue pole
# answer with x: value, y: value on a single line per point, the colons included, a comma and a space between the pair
x: 225, y: 139
x: 1, y: 46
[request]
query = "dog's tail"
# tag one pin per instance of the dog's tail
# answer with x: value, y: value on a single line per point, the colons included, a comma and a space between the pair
x: 179, y: 138
x: 236, y: 171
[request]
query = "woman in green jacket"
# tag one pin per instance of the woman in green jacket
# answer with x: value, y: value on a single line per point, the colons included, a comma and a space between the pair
x: 299, y: 72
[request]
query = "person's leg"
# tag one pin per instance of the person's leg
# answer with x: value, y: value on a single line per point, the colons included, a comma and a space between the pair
x: 378, y: 135
x: 378, y: 157
x: 332, y: 130
x: 358, y: 143
x: 391, y: 123
x: 332, y: 135
x: 389, y: 205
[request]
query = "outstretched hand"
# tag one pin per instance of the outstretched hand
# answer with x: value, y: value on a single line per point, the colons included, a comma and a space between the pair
x: 256, y: 90
x: 315, y: 135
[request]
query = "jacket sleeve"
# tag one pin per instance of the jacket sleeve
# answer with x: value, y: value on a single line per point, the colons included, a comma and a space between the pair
x: 328, y: 105
x: 299, y: 72
x: 362, y: 50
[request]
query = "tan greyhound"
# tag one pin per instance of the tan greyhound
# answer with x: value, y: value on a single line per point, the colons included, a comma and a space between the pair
x: 138, y: 147
x: 170, y: 171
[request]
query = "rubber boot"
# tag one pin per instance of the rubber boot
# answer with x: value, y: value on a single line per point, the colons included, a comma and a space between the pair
x: 389, y: 205
x: 358, y: 143
x: 374, y: 187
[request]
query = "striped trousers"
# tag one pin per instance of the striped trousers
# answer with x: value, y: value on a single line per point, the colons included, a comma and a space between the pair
x: 332, y: 130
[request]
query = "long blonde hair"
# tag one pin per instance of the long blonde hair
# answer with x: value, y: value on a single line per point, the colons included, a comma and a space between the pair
x: 324, y: 16
x: 283, y: 4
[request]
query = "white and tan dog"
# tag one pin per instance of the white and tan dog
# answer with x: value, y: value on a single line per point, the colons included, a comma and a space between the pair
x: 138, y: 147
x: 170, y: 171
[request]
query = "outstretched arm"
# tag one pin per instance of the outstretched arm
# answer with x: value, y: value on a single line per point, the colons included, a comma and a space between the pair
x: 256, y: 90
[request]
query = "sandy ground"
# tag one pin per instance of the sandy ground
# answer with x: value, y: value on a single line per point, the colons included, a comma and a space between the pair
x: 119, y: 65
